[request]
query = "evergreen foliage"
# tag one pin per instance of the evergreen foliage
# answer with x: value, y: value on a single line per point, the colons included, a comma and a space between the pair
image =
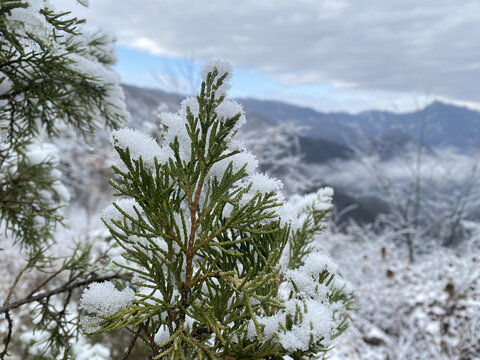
x: 51, y: 74
x: 223, y: 267
x: 54, y: 75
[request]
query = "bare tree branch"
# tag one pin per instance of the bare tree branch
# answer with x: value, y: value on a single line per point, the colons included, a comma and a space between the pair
x: 61, y: 289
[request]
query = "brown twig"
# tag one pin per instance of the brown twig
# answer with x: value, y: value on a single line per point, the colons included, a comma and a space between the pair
x: 51, y: 277
x: 132, y: 343
x: 7, y: 338
x: 61, y: 289
x: 193, y: 206
x: 14, y: 285
x: 151, y: 340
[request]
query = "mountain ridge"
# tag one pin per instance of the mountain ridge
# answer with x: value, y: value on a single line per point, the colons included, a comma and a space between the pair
x: 443, y: 124
x: 440, y: 123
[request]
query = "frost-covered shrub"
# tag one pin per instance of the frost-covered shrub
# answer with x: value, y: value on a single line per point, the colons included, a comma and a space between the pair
x: 278, y: 152
x: 223, y: 266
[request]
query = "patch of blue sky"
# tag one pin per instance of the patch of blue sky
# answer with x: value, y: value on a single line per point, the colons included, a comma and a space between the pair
x: 142, y: 69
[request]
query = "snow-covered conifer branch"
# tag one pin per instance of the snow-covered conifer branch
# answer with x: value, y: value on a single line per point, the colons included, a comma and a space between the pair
x: 55, y: 75
x: 223, y: 266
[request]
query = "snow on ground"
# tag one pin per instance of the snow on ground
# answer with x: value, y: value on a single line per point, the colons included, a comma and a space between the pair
x: 425, y: 310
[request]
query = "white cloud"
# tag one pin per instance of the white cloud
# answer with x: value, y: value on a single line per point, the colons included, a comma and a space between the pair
x: 378, y: 45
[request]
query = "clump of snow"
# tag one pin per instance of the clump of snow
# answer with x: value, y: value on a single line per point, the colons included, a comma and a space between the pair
x: 306, y: 300
x: 306, y: 277
x: 229, y: 109
x: 223, y: 67
x: 316, y: 262
x: 104, y: 299
x: 111, y: 212
x: 321, y: 200
x: 317, y: 325
x: 38, y: 152
x: 227, y: 210
x: 264, y: 184
x: 288, y: 215
x: 244, y: 158
x: 90, y: 324
x: 176, y: 128
x: 139, y: 145
x: 29, y: 20
x: 191, y: 103
x: 61, y: 191
x: 162, y: 335
x: 296, y: 210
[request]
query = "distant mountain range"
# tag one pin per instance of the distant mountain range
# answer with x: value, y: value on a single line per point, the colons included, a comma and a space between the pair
x: 143, y: 103
x: 439, y: 124
x: 330, y: 135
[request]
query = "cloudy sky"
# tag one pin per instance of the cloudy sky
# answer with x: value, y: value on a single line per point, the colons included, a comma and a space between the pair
x: 329, y: 54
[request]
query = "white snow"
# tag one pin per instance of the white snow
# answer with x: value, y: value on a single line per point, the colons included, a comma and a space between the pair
x: 104, y: 299
x: 223, y: 67
x: 162, y: 335
x: 176, y: 125
x: 230, y: 108
x: 111, y: 212
x: 264, y: 184
x: 192, y: 103
x: 317, y: 321
x: 239, y: 160
x: 139, y: 145
x: 5, y: 84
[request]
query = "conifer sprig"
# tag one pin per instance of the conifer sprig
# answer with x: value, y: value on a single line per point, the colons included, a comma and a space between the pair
x: 223, y: 267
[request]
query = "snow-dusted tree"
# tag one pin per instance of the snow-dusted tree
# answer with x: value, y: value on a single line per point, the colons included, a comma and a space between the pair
x: 223, y: 267
x: 430, y: 193
x: 425, y: 310
x: 54, y: 74
x: 278, y: 152
x: 51, y: 75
